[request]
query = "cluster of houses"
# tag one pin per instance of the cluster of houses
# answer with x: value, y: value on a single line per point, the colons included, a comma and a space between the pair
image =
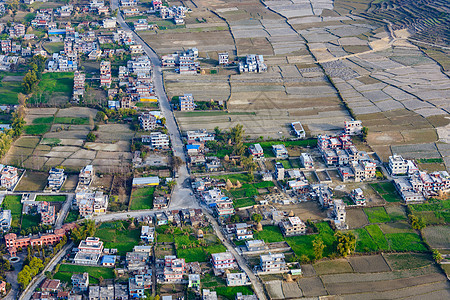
x: 196, y: 150
x: 175, y: 13
x: 185, y: 61
x: 415, y: 185
x: 253, y: 64
x: 47, y: 210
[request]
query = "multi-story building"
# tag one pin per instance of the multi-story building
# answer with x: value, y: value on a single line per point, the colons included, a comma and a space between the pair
x: 9, y: 177
x: 91, y: 245
x: 222, y: 261
x: 273, y: 263
x: 17, y: 31
x: 105, y: 73
x: 353, y: 127
x: 256, y: 151
x: 138, y: 284
x: 298, y: 130
x: 80, y: 281
x: 200, y: 135
x: 148, y: 234
x: 109, y: 23
x: 307, y: 161
x: 56, y: 178
x: 292, y: 226
x: 174, y: 269
x: 238, y: 279
x: 5, y: 220
x: 86, y: 175
x: 187, y: 102
x: 6, y: 46
x: 224, y: 208
x: 358, y: 197
x: 141, y: 24
x: 397, y: 165
x: 91, y: 203
x: 157, y: 4
x: 48, y: 213
x: 280, y: 151
x: 223, y: 58
x: 339, y: 214
x: 253, y: 64
x: 157, y: 140
x: 279, y: 171
x: 78, y: 85
x: 147, y: 121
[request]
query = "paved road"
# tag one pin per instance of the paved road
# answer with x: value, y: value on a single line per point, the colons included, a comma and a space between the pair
x: 64, y: 210
x: 259, y: 290
x: 28, y: 293
x: 182, y: 194
x: 11, y: 277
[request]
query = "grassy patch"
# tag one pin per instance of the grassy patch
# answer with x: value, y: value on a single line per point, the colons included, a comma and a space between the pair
x: 43, y: 120
x: 29, y: 221
x: 54, y: 47
x: 9, y: 91
x: 264, y: 184
x: 244, y: 202
x: 303, y: 244
x: 407, y: 261
x: 142, y: 198
x: 231, y: 291
x: 435, y: 212
x: 430, y: 160
x: 333, y: 267
x: 377, y: 236
x: 270, y: 234
x: 65, y: 272
x: 193, y: 254
x: 387, y: 191
x: 119, y: 235
x: 51, y: 141
x: 242, y: 177
x: 36, y: 129
x: 70, y: 120
x: 50, y: 198
x: 59, y: 83
x: 286, y: 164
x: 217, y: 248
x: 377, y: 215
x: 72, y: 216
x: 12, y: 202
x: 405, y: 242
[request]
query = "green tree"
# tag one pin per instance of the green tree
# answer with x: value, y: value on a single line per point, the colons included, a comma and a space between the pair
x: 91, y: 137
x: 171, y: 184
x: 235, y: 219
x: 237, y: 133
x: 346, y: 243
x: 365, y: 132
x: 437, y: 256
x: 100, y: 117
x: 24, y: 277
x: 256, y: 218
x: 318, y: 247
x: 30, y: 81
x: 416, y: 222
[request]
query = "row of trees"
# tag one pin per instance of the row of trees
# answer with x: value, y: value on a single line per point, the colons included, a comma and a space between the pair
x: 83, y: 231
x: 34, y: 74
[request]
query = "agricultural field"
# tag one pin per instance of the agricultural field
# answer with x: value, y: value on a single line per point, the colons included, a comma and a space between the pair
x: 387, y: 191
x: 437, y: 236
x: 142, y: 198
x: 53, y: 88
x: 57, y: 137
x: 434, y: 212
x: 10, y: 87
x: 50, y: 198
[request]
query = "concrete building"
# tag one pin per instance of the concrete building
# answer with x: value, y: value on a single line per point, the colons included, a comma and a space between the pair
x: 273, y: 263
x: 91, y: 203
x: 253, y: 64
x: 298, y: 130
x: 224, y: 208
x: 358, y: 197
x: 80, y: 282
x: 157, y: 140
x: 5, y: 220
x: 222, y: 261
x: 279, y: 171
x: 200, y: 135
x: 353, y: 127
x: 109, y: 23
x: 223, y: 58
x: 306, y: 160
x: 280, y: 151
x: 9, y: 177
x: 174, y: 269
x: 86, y: 175
x: 256, y: 245
x: 293, y: 226
x: 339, y: 214
x: 78, y: 85
x: 397, y: 165
x: 148, y: 234
x: 256, y: 151
x: 56, y: 178
x: 147, y: 121
x: 187, y: 102
x: 238, y: 279
x: 105, y: 73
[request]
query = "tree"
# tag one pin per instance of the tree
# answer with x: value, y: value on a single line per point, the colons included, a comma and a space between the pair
x: 91, y: 137
x: 365, y: 132
x: 256, y: 218
x: 235, y: 219
x: 171, y: 184
x: 346, y: 243
x: 30, y: 81
x: 100, y: 117
x: 437, y: 256
x: 237, y: 133
x: 24, y: 277
x: 416, y: 222
x: 318, y: 247
x: 163, y: 121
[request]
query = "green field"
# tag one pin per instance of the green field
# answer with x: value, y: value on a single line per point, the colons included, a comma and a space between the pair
x: 54, y: 47
x: 218, y: 284
x: 242, y: 177
x: 29, y: 221
x: 270, y: 234
x: 364, y: 242
x: 193, y: 254
x: 435, y: 212
x: 407, y: 261
x: 70, y: 120
x: 65, y: 273
x: 387, y: 191
x: 377, y: 236
x: 49, y: 198
x: 264, y: 184
x: 43, y: 120
x: 377, y: 214
x: 36, y: 129
x: 142, y: 198
x: 119, y: 235
x: 12, y: 202
x: 9, y: 91
x: 405, y: 242
x: 243, y: 202
x: 53, y: 86
x: 72, y: 216
x: 286, y: 164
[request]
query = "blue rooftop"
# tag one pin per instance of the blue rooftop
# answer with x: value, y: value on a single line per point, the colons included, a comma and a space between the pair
x: 191, y: 147
x: 108, y: 259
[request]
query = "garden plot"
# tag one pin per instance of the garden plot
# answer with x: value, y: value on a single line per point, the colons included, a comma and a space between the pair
x: 428, y: 150
x: 356, y: 218
x: 437, y: 236
x: 312, y: 287
x: 291, y: 290
x: 369, y: 264
x: 275, y: 289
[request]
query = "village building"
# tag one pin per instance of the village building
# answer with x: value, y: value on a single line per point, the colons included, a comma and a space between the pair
x: 238, y: 279
x: 148, y: 234
x: 280, y: 151
x: 200, y: 135
x: 80, y: 282
x: 292, y: 226
x: 5, y: 220
x: 223, y: 58
x: 256, y: 151
x: 86, y: 175
x: 353, y: 127
x: 224, y: 208
x: 339, y: 214
x: 397, y: 165
x: 357, y: 196
x: 56, y: 178
x: 89, y: 251
x: 273, y: 263
x: 298, y: 130
x: 78, y: 85
x: 187, y: 102
x: 174, y: 269
x: 9, y: 177
x: 279, y: 171
x: 306, y: 160
x: 105, y: 73
x: 147, y: 121
x: 91, y: 203
x: 253, y: 64
x: 222, y: 261
x: 157, y: 140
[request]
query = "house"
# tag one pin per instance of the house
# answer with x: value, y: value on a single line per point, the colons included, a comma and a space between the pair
x: 298, y: 130
x: 306, y: 160
x: 108, y: 260
x: 253, y: 64
x: 353, y: 127
x: 50, y: 285
x: 279, y: 171
x: 56, y: 178
x: 9, y: 177
x: 147, y: 121
x: 137, y: 260
x: 293, y: 226
x: 322, y: 193
x: 153, y: 180
x: 194, y: 281
x: 148, y: 234
x: 86, y: 175
x: 5, y: 220
x: 256, y: 245
x: 138, y: 248
x: 397, y: 165
x: 78, y: 85
x: 101, y: 292
x: 239, y: 296
x: 2, y: 287
x: 157, y: 140
x: 138, y: 284
x: 200, y: 135
x: 339, y: 214
x: 136, y: 49
x: 109, y: 23
x: 187, y: 102
x: 222, y: 261
x: 141, y: 24
x: 273, y: 263
x: 91, y: 203
x: 256, y: 151
x: 223, y: 58
x: 161, y: 219
x: 357, y: 196
x: 224, y: 208
x: 280, y: 151
x: 48, y: 213
x: 209, y: 295
x: 174, y: 269
x: 89, y: 251
x: 120, y: 292
x: 105, y: 73
x: 160, y: 202
x: 80, y: 282
x: 238, y: 279
x: 243, y: 232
